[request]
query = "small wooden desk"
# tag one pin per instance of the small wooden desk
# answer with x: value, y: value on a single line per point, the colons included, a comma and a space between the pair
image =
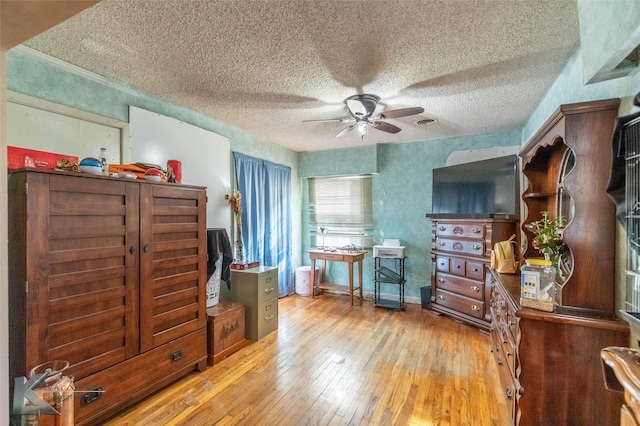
x: 336, y: 256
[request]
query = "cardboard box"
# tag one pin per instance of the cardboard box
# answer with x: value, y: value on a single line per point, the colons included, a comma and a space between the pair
x: 18, y: 158
x: 225, y: 330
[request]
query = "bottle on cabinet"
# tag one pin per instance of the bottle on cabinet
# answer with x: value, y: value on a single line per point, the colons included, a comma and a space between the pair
x: 104, y: 161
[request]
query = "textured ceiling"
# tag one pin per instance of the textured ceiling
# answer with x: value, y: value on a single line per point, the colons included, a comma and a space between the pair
x: 476, y: 66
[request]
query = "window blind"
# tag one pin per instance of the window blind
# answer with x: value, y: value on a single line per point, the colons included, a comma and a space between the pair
x: 340, y: 211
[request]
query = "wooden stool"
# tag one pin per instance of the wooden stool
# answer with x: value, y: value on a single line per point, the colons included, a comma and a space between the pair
x: 225, y: 330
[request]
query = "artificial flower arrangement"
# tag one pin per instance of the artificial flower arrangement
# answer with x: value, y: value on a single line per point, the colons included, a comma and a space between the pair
x: 235, y: 201
x: 548, y: 237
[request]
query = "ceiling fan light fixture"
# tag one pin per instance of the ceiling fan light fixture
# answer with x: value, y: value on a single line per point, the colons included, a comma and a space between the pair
x: 362, y: 127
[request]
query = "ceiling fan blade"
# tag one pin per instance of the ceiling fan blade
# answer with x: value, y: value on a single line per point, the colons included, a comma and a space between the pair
x: 385, y: 127
x: 402, y: 112
x: 335, y: 120
x: 346, y: 130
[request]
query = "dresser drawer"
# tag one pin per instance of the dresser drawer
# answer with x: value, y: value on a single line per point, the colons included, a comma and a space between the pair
x: 459, y: 285
x: 267, y: 286
x: 466, y: 230
x: 509, y: 386
x: 442, y: 263
x: 453, y: 245
x: 466, y: 268
x: 508, y: 347
x: 462, y: 304
x: 504, y: 316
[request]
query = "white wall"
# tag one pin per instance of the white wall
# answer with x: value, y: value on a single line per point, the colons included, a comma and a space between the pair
x: 63, y: 133
x: 156, y: 138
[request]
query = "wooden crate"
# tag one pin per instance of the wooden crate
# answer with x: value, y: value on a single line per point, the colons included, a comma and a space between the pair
x: 225, y: 330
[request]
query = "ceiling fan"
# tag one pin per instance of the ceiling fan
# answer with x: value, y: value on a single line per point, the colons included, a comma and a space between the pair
x: 362, y: 107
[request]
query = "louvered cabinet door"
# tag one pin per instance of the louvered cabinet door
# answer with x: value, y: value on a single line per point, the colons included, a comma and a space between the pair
x: 80, y: 269
x: 172, y: 263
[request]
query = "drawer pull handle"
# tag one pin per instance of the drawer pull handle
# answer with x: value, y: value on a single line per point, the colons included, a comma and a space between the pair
x: 476, y: 246
x: 442, y: 228
x: 499, y: 361
x: 508, y: 393
x: 132, y: 250
x: 175, y: 356
x: 441, y: 280
x: 475, y: 288
x: 442, y: 243
x: 477, y: 230
x: 269, y: 318
x: 475, y: 308
x: 475, y: 269
x: 146, y: 248
x: 441, y: 297
x: 92, y: 395
x: 266, y: 308
x: 268, y: 280
x: 458, y: 246
x: 458, y: 266
x: 268, y: 290
x: 458, y: 230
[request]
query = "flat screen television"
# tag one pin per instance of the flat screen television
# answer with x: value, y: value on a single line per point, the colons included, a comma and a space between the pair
x: 486, y: 188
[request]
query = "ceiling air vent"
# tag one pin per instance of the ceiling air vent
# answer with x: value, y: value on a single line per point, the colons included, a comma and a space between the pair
x: 426, y: 121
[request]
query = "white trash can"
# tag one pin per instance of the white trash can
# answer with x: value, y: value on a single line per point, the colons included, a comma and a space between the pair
x: 303, y: 280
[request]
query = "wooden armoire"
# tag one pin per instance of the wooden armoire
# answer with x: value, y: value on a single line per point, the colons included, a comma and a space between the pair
x: 110, y: 275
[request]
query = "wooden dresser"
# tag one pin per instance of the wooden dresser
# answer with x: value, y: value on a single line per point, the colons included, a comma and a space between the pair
x: 549, y: 363
x: 460, y: 255
x: 109, y: 275
x: 257, y: 290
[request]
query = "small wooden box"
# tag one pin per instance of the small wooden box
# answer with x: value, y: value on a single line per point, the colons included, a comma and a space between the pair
x: 225, y: 330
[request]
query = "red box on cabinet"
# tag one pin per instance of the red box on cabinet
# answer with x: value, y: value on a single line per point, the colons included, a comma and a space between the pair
x: 18, y: 158
x: 243, y: 266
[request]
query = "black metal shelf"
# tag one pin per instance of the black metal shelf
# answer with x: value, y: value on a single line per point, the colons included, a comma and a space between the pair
x: 384, y: 275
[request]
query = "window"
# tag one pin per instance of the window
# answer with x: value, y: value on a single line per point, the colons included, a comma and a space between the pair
x: 340, y: 211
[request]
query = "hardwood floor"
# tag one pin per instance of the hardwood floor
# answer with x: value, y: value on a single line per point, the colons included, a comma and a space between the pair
x: 331, y: 363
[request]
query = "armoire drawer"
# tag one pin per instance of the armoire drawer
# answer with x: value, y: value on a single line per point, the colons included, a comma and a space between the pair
x: 137, y: 375
x: 462, y: 304
x: 459, y: 285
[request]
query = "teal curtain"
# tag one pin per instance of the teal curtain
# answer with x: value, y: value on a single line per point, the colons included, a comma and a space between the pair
x: 266, y: 215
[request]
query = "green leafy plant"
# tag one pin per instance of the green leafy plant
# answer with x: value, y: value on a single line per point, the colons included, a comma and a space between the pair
x: 548, y: 236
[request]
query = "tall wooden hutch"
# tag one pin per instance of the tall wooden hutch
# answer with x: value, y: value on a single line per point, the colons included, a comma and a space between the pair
x: 549, y: 363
